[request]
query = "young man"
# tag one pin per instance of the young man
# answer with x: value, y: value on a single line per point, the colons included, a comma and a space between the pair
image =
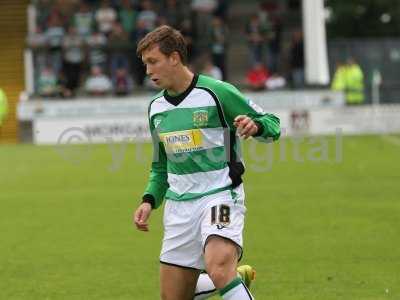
x: 195, y: 122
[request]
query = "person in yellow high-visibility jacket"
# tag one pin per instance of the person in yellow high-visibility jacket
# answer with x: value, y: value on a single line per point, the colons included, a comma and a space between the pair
x: 349, y: 78
x: 3, y: 106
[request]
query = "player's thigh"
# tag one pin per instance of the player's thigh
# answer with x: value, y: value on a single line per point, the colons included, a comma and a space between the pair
x: 177, y: 283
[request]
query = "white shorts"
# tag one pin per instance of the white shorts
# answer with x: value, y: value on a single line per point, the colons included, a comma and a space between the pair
x: 188, y: 224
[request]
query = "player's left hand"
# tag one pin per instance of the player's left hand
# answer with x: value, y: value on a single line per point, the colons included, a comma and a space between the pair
x: 246, y: 127
x: 141, y: 216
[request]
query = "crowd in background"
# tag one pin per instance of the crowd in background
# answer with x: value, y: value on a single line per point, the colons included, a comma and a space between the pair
x: 90, y: 46
x: 264, y: 33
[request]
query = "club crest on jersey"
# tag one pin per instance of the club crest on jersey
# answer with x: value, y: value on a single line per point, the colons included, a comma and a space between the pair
x: 200, y: 118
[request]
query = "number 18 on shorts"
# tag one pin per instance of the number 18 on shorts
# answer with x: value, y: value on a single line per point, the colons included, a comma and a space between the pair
x: 188, y: 224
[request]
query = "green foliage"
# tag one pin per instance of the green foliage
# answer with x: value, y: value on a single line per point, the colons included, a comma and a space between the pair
x: 315, y: 229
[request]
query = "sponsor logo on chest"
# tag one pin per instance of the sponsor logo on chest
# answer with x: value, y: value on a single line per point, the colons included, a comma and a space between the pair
x: 182, y: 141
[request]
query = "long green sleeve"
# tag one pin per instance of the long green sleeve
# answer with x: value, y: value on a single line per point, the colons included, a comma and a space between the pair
x: 234, y: 103
x: 158, y: 183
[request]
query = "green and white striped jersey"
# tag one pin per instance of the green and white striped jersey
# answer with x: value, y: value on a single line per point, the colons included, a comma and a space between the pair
x: 195, y: 142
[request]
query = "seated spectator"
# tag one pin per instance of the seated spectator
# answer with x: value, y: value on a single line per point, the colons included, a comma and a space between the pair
x: 257, y: 77
x: 47, y: 84
x: 123, y: 83
x: 97, y: 84
x: 105, y: 17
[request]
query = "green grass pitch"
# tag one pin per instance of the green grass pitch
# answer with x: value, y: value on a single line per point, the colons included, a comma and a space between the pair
x: 321, y: 224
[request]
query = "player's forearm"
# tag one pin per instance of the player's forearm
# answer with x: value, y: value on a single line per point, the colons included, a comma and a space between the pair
x: 156, y: 189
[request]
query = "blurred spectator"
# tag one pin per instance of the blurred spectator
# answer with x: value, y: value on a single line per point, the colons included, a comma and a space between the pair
x: 122, y: 81
x: 97, y: 54
x: 274, y: 46
x: 128, y: 17
x: 3, y: 106
x: 105, y: 17
x: 222, y: 10
x: 206, y: 6
x: 257, y: 76
x: 43, y: 9
x: 55, y: 31
x: 219, y: 44
x: 256, y: 32
x: 349, y: 78
x: 173, y: 13
x: 118, y: 43
x: 54, y: 36
x: 47, y: 84
x: 211, y: 70
x: 189, y: 36
x: 275, y: 81
x: 83, y: 20
x: 274, y: 15
x: 297, y: 59
x: 72, y: 59
x: 97, y: 84
x: 203, y: 14
x: 147, y: 16
x: 37, y: 41
x: 138, y: 67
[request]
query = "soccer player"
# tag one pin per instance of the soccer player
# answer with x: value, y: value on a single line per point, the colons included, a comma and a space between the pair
x: 195, y: 122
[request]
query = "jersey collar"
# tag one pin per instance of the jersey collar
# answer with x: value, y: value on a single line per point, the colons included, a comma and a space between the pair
x: 176, y: 100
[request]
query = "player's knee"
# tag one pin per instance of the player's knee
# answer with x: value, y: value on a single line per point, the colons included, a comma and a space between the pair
x: 220, y: 274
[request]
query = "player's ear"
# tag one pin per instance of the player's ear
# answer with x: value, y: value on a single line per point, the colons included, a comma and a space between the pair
x: 175, y: 58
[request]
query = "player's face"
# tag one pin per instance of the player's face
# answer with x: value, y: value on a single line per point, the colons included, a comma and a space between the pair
x: 159, y: 67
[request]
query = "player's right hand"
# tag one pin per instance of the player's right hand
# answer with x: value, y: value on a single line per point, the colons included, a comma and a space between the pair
x: 141, y: 216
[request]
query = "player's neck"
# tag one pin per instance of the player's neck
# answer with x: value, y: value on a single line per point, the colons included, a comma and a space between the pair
x: 182, y: 80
